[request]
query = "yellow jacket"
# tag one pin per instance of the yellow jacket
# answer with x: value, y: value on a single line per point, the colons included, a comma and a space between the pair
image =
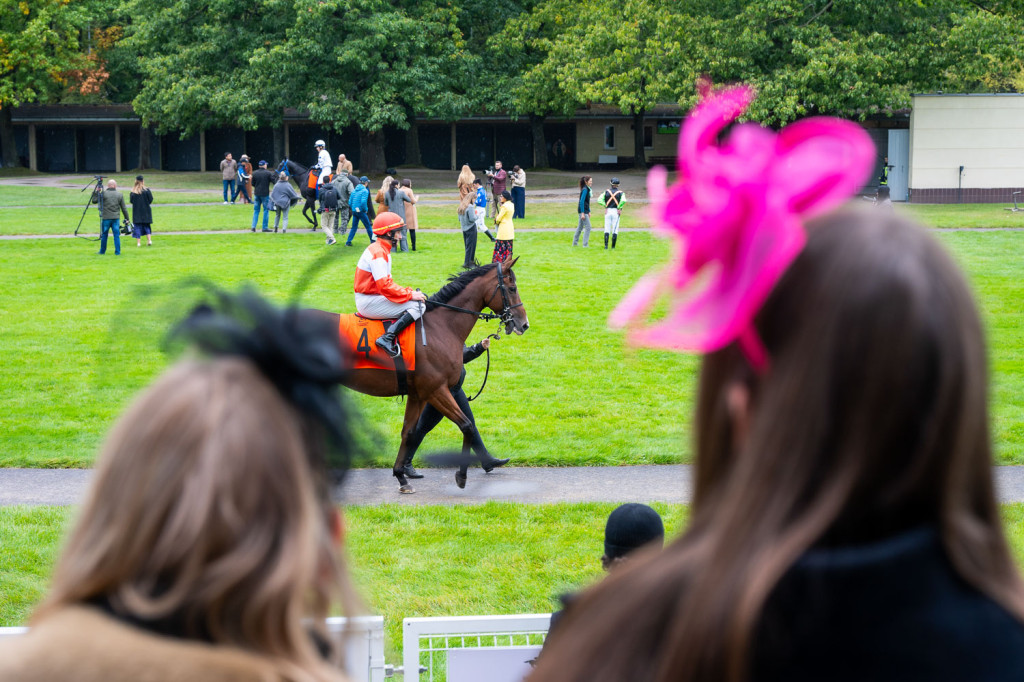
x: 506, y: 230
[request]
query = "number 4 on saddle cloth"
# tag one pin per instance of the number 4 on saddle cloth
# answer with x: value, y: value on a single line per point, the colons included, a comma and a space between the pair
x: 361, y: 332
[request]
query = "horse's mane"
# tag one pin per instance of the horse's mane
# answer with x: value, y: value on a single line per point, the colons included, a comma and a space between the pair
x: 457, y: 283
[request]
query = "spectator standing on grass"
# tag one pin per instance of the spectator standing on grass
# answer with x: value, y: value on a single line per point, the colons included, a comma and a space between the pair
x: 207, y: 547
x: 329, y: 212
x: 844, y: 523
x: 359, y: 202
x: 382, y: 194
x: 244, y: 179
x: 481, y: 203
x: 343, y: 184
x: 498, y: 177
x: 344, y: 165
x: 613, y: 199
x: 142, y: 214
x: 465, y: 181
x: 518, y: 177
x: 583, y: 209
x: 283, y: 197
x: 228, y: 170
x: 467, y: 221
x: 396, y: 199
x: 411, y: 223
x: 112, y: 206
x: 505, y: 228
x: 261, y: 179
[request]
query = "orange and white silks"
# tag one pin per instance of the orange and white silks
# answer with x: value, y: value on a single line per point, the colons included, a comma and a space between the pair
x: 373, y: 274
x: 359, y: 334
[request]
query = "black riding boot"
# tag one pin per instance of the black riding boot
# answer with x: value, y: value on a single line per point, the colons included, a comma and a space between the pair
x: 615, y: 238
x: 387, y: 341
x: 412, y: 239
x: 489, y: 235
x: 606, y: 240
x: 409, y: 470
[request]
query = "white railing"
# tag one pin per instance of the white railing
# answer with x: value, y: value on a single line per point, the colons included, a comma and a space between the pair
x: 362, y: 637
x: 459, y: 648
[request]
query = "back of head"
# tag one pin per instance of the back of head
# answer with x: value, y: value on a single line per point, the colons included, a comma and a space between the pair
x: 209, y: 516
x: 871, y: 420
x: 629, y: 528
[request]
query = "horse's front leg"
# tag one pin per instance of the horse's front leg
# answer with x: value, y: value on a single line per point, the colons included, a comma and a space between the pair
x: 413, y: 407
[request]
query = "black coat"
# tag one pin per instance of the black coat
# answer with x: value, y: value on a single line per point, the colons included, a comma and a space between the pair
x: 892, y: 610
x: 261, y: 179
x: 142, y: 214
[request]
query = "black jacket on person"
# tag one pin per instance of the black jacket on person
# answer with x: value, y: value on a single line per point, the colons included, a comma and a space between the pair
x: 261, y: 179
x: 142, y: 214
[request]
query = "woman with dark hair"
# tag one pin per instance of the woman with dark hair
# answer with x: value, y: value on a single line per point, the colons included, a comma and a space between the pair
x: 583, y: 210
x: 208, y: 544
x: 844, y: 524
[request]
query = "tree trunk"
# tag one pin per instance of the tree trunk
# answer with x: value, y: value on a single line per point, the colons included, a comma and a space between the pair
x: 540, y: 146
x: 371, y: 152
x: 145, y: 140
x: 639, y: 158
x: 7, y: 138
x: 412, y: 144
x: 279, y: 143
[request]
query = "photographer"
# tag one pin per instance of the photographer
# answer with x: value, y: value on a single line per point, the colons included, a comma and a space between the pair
x: 518, y: 177
x: 111, y: 205
x: 496, y: 178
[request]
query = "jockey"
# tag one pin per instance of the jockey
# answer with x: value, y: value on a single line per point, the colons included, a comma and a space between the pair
x: 377, y: 296
x: 323, y: 162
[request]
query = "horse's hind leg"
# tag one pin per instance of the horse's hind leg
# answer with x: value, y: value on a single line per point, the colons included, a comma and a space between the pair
x: 413, y: 407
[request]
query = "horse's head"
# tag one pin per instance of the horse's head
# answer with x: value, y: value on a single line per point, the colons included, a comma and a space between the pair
x: 505, y: 300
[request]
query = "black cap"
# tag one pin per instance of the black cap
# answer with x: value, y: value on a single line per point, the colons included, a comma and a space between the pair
x: 615, y: 181
x: 139, y: 178
x: 629, y: 527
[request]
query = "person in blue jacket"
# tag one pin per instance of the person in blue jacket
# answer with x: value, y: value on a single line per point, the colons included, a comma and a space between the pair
x: 358, y: 202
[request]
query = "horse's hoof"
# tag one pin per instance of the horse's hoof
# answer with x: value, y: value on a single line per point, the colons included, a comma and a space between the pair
x: 493, y: 463
x: 406, y: 489
x: 460, y: 479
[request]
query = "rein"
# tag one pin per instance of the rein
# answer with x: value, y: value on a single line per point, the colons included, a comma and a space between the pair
x: 505, y: 317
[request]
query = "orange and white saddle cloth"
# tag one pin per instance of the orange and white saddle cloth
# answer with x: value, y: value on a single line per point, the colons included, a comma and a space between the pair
x: 361, y: 333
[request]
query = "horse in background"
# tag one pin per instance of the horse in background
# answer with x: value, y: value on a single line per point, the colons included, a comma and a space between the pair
x: 449, y: 319
x: 300, y: 175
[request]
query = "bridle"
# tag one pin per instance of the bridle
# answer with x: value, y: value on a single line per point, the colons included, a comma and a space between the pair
x: 506, y: 307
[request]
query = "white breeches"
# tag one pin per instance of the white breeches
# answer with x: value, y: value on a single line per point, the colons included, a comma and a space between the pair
x: 611, y: 222
x: 380, y: 308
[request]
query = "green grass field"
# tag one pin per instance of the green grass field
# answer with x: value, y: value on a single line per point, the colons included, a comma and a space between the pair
x: 81, y: 334
x: 412, y: 561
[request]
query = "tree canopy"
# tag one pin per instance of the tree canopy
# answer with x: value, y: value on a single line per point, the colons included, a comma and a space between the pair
x: 187, y: 65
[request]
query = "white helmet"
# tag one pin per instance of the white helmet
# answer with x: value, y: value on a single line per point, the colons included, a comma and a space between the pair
x: 319, y: 143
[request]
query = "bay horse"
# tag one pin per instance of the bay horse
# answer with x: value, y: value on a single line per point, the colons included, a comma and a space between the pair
x: 450, y: 316
x: 300, y: 175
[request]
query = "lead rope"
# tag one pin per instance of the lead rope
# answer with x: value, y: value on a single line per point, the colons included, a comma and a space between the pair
x: 496, y: 336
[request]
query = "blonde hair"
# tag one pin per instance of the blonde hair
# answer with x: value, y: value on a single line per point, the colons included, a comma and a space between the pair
x: 464, y: 204
x: 466, y: 177
x: 138, y: 187
x: 386, y: 185
x: 205, y: 513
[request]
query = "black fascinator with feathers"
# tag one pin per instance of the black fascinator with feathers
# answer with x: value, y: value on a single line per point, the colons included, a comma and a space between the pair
x: 298, y: 351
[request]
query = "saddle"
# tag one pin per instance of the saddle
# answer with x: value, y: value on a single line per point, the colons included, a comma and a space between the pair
x: 360, y: 334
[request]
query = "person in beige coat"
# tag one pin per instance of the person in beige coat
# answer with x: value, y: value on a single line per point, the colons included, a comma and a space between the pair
x: 207, y: 545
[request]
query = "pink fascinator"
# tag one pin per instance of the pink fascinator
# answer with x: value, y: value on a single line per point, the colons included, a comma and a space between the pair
x: 736, y: 213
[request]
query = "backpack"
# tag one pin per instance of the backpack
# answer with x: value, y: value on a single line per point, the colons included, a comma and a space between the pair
x: 328, y: 197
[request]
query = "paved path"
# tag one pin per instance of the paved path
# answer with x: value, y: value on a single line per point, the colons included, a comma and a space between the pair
x: 534, y: 485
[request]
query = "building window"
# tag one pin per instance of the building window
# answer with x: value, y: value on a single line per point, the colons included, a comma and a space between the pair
x: 609, y: 137
x: 648, y: 137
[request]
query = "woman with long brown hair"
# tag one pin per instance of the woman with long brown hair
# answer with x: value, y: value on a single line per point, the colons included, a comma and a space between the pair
x: 207, y: 547
x: 844, y: 525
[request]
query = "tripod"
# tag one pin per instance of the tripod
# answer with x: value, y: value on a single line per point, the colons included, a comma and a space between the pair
x: 97, y: 187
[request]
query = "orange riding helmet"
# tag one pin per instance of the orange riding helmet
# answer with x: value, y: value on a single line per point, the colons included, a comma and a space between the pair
x: 386, y: 222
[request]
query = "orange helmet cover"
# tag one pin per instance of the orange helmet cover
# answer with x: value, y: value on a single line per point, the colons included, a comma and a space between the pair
x: 386, y: 221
